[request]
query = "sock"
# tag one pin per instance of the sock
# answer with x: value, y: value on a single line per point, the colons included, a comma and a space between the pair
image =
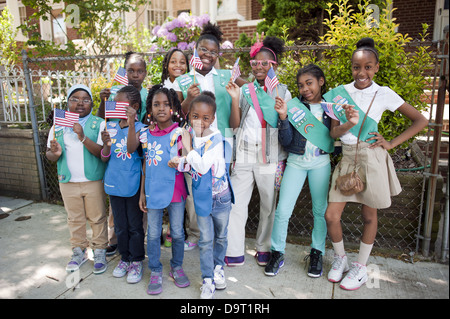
x: 364, y: 253
x: 339, y: 248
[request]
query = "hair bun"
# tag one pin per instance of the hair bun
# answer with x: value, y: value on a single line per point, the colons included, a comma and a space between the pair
x: 209, y: 93
x: 365, y: 42
x: 213, y: 30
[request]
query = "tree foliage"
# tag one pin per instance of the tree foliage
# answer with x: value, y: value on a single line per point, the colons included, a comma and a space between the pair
x: 98, y: 23
x: 8, y: 45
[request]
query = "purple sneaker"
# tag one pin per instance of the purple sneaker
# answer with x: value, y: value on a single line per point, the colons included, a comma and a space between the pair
x: 79, y: 257
x: 262, y: 258
x: 155, y: 284
x: 180, y: 278
x: 234, y: 261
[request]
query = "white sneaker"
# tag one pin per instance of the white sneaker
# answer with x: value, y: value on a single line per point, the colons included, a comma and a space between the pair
x: 338, y: 267
x: 219, y: 278
x: 356, y: 277
x: 207, y: 289
x: 121, y: 269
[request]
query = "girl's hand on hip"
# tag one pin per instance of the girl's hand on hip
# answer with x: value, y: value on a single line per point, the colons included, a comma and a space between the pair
x: 380, y: 141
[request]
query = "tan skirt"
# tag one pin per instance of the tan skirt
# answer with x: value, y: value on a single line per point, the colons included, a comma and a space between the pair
x: 376, y: 169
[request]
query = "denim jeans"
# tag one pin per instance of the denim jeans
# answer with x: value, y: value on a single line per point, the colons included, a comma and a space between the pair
x: 176, y: 219
x: 213, y: 235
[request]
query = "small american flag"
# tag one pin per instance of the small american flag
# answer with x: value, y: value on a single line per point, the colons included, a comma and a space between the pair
x: 116, y: 110
x: 271, y: 80
x: 236, y: 72
x: 328, y: 108
x: 121, y: 76
x: 195, y: 61
x: 66, y: 118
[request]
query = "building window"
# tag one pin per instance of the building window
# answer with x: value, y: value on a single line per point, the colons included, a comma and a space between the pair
x: 59, y: 29
x: 157, y: 13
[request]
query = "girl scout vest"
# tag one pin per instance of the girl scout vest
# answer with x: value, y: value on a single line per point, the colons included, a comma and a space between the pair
x: 159, y: 177
x: 309, y: 126
x: 123, y: 170
x: 339, y: 96
x: 202, y: 184
x: 266, y: 103
x: 223, y: 99
x: 94, y: 168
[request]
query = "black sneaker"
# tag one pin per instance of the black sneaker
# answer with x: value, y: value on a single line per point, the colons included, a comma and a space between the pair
x: 315, y: 263
x: 275, y: 263
x: 111, y: 250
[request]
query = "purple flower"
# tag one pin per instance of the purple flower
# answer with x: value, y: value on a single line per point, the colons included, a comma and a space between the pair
x: 227, y: 45
x: 184, y: 16
x: 162, y: 32
x: 182, y: 46
x: 172, y: 37
x: 156, y: 29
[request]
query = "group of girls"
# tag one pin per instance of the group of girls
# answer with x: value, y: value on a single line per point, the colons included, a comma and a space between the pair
x: 186, y: 134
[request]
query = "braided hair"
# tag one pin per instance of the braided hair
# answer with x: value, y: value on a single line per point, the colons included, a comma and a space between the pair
x: 133, y: 95
x: 175, y: 104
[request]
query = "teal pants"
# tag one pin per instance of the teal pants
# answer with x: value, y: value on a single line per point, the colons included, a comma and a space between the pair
x: 291, y: 186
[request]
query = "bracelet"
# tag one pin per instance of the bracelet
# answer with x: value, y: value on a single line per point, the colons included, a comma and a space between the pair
x: 101, y: 153
x: 84, y: 139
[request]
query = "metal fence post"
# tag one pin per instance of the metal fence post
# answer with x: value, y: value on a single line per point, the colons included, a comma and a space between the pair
x: 34, y: 125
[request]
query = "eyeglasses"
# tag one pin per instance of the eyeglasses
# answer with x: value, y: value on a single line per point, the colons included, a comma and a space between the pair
x: 75, y: 100
x: 206, y: 51
x: 264, y: 63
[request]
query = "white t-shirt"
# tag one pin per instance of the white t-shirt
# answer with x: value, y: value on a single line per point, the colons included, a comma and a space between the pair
x: 206, y: 84
x: 74, y: 151
x: 386, y: 99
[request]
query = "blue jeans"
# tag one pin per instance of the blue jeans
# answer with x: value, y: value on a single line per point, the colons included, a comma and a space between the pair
x: 291, y: 186
x: 176, y: 219
x: 213, y: 235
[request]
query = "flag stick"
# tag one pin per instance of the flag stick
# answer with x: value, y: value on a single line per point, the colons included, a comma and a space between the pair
x: 105, y: 114
x: 54, y: 124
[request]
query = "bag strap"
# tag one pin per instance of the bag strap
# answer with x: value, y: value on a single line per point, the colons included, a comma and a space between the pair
x: 260, y: 114
x: 360, y: 129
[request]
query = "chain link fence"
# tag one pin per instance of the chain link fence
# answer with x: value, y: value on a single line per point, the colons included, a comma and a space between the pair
x: 399, y: 226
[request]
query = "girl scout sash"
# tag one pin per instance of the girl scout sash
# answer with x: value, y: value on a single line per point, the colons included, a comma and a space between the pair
x: 266, y: 103
x: 309, y: 126
x: 223, y: 99
x: 340, y: 96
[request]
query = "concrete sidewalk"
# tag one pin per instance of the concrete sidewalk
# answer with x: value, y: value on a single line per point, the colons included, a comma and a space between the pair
x: 34, y: 250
